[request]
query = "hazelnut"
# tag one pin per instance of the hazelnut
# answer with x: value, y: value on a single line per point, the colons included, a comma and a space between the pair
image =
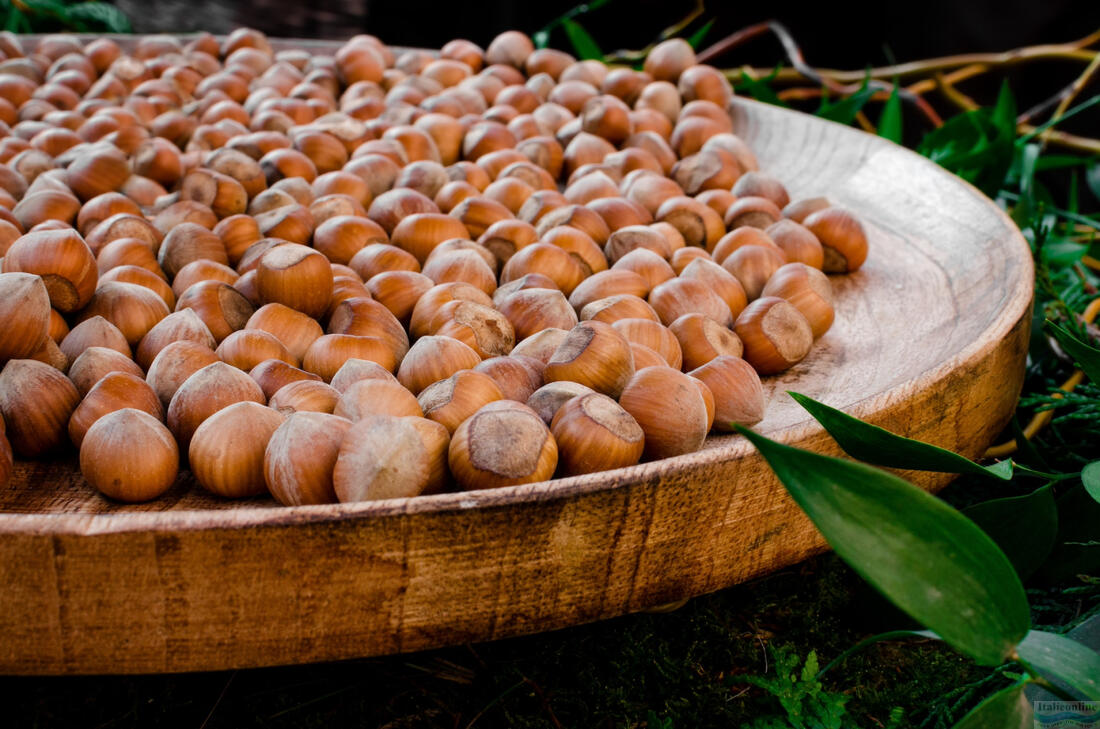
x: 517, y: 377
x: 94, y: 332
x: 702, y: 339
x: 842, y: 237
x: 355, y: 370
x: 36, y: 402
x: 434, y: 358
x: 753, y: 265
x: 295, y: 276
x: 531, y: 310
x: 300, y: 457
x: 133, y: 309
x: 24, y: 315
x: 753, y: 211
x: 594, y: 433
x: 650, y: 334
x: 115, y: 391
x: 721, y: 281
x: 399, y: 291
x: 799, y: 210
x: 449, y: 402
x: 295, y: 330
x: 738, y: 394
x: 776, y: 336
x: 809, y: 290
x: 592, y: 354
x: 129, y: 455
x: 63, y: 260
x: 670, y: 409
x: 373, y: 396
x: 226, y: 453
x: 95, y: 363
x: 620, y: 306
x: 502, y: 444
x: 487, y: 331
x: 210, y: 389
x: 328, y: 353
x: 386, y: 457
x: 678, y: 296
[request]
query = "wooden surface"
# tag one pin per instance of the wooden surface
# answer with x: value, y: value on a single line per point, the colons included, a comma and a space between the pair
x: 930, y: 341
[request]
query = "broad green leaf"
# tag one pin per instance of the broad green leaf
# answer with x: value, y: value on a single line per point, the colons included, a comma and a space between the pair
x: 1086, y: 356
x: 697, y: 37
x: 845, y: 110
x: 583, y: 43
x: 925, y: 557
x: 1006, y: 709
x: 976, y: 145
x: 1063, y: 252
x: 1090, y: 477
x: 882, y: 448
x: 1024, y: 527
x: 1056, y: 656
x: 889, y: 123
x: 1029, y: 156
x: 1064, y: 161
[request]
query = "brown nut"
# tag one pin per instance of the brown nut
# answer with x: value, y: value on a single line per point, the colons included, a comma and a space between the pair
x: 372, y: 396
x: 273, y: 375
x: 540, y: 347
x: 24, y: 315
x: 702, y: 339
x: 776, y: 336
x: 594, y: 433
x: 434, y: 358
x: 133, y: 309
x: 620, y: 306
x: 96, y: 363
x: 294, y: 329
x: 670, y: 409
x: 130, y: 456
x: 531, y: 310
x: 385, y: 457
x: 842, y: 237
x: 809, y: 290
x: 115, y: 391
x: 36, y: 402
x: 210, y: 389
x: 295, y: 276
x: 502, y: 444
x: 517, y: 377
x: 226, y: 453
x: 753, y: 265
x: 649, y: 333
x: 738, y: 394
x: 300, y: 457
x: 676, y: 297
x: 595, y: 355
x: 94, y: 332
x: 797, y: 243
x: 63, y: 260
x: 449, y: 402
x: 486, y: 330
x: 328, y: 353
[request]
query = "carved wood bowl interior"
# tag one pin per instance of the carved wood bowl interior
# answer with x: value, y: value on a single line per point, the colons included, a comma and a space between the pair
x: 929, y: 341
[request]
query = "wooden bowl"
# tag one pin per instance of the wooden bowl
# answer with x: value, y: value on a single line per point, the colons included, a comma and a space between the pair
x: 930, y: 341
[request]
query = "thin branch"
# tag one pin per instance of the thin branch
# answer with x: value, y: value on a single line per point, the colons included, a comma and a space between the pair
x: 631, y: 56
x: 1064, y: 97
x: 955, y: 96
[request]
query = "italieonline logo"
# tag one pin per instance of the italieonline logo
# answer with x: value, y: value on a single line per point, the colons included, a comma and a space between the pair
x: 1067, y: 714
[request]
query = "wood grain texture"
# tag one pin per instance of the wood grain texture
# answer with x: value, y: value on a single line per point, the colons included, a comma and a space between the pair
x: 930, y: 341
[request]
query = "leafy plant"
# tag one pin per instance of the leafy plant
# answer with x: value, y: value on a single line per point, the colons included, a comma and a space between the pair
x: 43, y: 16
x: 805, y: 702
x: 928, y: 559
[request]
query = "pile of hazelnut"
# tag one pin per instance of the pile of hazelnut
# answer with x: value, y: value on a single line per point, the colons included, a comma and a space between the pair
x: 382, y: 274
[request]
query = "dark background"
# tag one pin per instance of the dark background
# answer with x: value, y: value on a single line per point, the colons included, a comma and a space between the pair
x: 848, y: 34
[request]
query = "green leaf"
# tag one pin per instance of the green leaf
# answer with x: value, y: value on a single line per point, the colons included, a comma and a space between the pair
x: 1006, y: 709
x: 583, y: 43
x: 1004, y: 111
x: 1090, y: 477
x: 1074, y: 664
x: 845, y: 110
x: 925, y: 557
x: 697, y: 37
x: 1086, y: 356
x: 760, y: 89
x: 889, y: 123
x: 1024, y: 527
x: 876, y: 445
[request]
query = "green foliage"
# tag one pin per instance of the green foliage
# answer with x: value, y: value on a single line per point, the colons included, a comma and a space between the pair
x: 1067, y: 660
x: 805, y: 702
x: 1006, y: 709
x: 760, y: 89
x: 890, y: 121
x: 977, y: 145
x: 583, y: 43
x: 1024, y: 527
x: 42, y: 16
x: 698, y: 36
x: 925, y: 557
x: 844, y: 110
x: 882, y: 448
